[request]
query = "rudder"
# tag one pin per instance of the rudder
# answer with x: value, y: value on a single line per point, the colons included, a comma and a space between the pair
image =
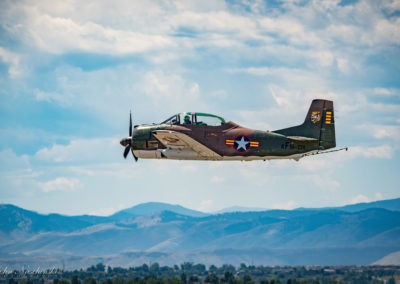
x: 318, y: 124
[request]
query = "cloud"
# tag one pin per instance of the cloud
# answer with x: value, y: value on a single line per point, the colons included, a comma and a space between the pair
x: 382, y: 152
x: 80, y: 151
x: 61, y: 99
x: 59, y: 35
x: 107, y: 211
x: 9, y: 161
x: 189, y: 168
x: 291, y: 204
x: 60, y: 184
x: 361, y: 198
x: 13, y: 60
x: 378, y: 196
x: 124, y: 29
x: 386, y: 91
x: 382, y: 131
x: 171, y: 92
x: 206, y: 205
x: 217, y: 179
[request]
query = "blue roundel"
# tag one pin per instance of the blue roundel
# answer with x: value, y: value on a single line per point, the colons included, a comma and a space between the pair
x: 242, y: 144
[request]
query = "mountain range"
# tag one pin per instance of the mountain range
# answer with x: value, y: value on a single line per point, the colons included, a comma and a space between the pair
x: 360, y: 234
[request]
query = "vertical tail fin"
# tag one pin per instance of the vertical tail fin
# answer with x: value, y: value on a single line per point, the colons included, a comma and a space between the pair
x: 319, y: 124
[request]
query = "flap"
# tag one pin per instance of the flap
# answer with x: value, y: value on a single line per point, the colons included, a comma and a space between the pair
x: 177, y: 140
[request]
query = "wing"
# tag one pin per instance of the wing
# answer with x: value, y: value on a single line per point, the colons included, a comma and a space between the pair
x: 177, y: 140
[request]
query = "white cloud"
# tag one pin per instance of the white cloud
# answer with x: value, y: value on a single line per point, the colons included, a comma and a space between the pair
x: 60, y: 184
x: 325, y: 182
x: 9, y: 161
x: 106, y: 211
x: 382, y: 131
x: 386, y: 91
x: 378, y: 196
x: 61, y: 35
x: 171, y: 92
x: 13, y: 60
x: 81, y: 150
x: 392, y: 5
x: 189, y: 168
x: 361, y: 198
x: 125, y: 29
x: 219, y: 21
x: 387, y: 31
x: 217, y: 179
x: 255, y: 119
x: 206, y: 205
x: 382, y: 152
x: 61, y: 99
x: 291, y: 204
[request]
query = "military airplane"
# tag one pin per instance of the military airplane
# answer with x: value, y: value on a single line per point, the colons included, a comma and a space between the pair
x: 203, y: 136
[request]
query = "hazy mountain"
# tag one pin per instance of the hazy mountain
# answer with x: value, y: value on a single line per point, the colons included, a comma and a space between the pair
x: 154, y: 207
x: 315, y: 236
x: 389, y: 204
x: 240, y: 209
x: 14, y: 218
x: 390, y: 259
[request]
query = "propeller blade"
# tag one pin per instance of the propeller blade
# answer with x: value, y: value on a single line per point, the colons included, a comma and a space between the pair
x: 130, y: 124
x: 126, y: 151
x: 136, y: 158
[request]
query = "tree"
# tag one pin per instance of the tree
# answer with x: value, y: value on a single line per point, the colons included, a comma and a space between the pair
x: 246, y: 279
x: 183, y: 278
x: 187, y: 266
x: 391, y: 281
x: 75, y: 280
x: 229, y: 277
x: 155, y: 267
x: 100, y: 267
x: 193, y: 279
x: 212, y: 278
x: 212, y: 268
x: 89, y: 281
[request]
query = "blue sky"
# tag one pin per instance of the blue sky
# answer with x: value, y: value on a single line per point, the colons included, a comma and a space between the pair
x: 70, y: 71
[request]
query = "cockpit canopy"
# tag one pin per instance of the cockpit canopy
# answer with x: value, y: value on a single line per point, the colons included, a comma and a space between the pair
x: 195, y: 118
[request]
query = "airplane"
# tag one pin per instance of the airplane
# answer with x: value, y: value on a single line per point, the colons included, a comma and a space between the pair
x: 203, y: 136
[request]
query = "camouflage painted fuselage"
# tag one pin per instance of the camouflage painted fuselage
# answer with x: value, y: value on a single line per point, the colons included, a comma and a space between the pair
x: 234, y: 142
x: 261, y: 145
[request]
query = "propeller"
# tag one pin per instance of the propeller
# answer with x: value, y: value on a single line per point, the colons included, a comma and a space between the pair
x: 127, y: 142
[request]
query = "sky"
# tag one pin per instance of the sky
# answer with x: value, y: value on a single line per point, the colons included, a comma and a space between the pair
x: 70, y: 72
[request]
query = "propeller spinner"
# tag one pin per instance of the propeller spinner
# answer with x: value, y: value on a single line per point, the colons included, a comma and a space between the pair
x: 127, y: 142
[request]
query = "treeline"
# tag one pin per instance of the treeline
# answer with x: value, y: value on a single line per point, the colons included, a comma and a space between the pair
x: 189, y: 273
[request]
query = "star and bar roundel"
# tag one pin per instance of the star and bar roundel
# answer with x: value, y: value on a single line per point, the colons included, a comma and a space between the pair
x: 242, y: 143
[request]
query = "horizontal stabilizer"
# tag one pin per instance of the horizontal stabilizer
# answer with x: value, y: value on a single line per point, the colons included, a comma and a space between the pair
x: 300, y: 138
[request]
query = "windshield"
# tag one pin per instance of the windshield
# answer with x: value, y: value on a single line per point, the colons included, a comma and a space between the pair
x: 209, y: 119
x: 191, y: 118
x: 172, y: 120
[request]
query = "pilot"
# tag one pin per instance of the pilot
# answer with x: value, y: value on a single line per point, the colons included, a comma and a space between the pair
x: 187, y: 119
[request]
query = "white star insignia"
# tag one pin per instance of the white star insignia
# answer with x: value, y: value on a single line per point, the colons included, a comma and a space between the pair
x: 242, y: 144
